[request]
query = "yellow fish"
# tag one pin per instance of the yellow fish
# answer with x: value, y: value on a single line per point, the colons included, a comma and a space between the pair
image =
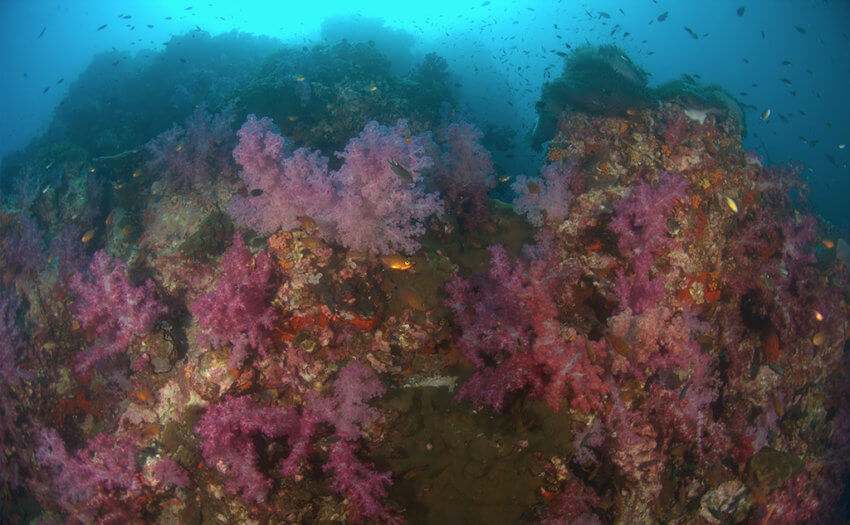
x: 88, y: 236
x: 732, y: 204
x: 396, y: 262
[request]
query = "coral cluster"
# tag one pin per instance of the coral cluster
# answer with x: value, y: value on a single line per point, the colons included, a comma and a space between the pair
x: 654, y: 330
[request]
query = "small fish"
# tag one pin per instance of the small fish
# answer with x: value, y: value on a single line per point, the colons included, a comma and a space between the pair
x: 60, y: 81
x: 45, y: 90
x: 150, y: 26
x: 831, y: 159
x: 485, y: 4
x: 786, y: 81
x: 299, y: 78
x: 307, y: 222
x: 621, y: 346
x: 691, y: 32
x: 766, y: 115
x: 399, y: 170
x: 88, y: 236
x: 126, y: 230
x: 313, y: 242
x: 109, y: 219
x: 292, y: 118
x: 396, y: 262
x: 101, y: 28
x: 137, y: 173
x: 684, y: 391
x: 256, y: 192
x: 732, y: 204
x: 842, y: 146
x: 776, y: 368
x: 412, y: 299
x: 802, y: 30
x: 786, y: 62
x: 663, y: 16
x: 42, y: 33
x: 741, y: 11
x: 818, y: 316
x: 373, y: 87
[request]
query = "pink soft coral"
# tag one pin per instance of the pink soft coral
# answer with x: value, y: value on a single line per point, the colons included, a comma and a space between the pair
x: 545, y: 198
x: 116, y: 312
x: 282, y: 184
x: 382, y: 206
x: 374, y: 203
x: 237, y: 311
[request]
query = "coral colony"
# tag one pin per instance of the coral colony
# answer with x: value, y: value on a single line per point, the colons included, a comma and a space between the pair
x: 268, y: 323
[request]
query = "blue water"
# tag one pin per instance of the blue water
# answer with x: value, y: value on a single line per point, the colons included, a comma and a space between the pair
x: 500, y: 52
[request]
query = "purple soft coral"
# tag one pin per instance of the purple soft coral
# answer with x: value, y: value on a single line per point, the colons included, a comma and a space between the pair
x: 116, y: 312
x: 83, y: 478
x: 227, y: 430
x: 641, y: 223
x: 347, y: 409
x: 197, y: 153
x: 237, y: 311
x: 364, y: 487
x: 510, y: 331
x: 465, y: 173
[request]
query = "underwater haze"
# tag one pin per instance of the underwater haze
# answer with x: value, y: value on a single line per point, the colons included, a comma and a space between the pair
x: 438, y: 262
x: 787, y: 56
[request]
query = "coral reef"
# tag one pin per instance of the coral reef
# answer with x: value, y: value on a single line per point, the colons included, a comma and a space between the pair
x: 652, y: 328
